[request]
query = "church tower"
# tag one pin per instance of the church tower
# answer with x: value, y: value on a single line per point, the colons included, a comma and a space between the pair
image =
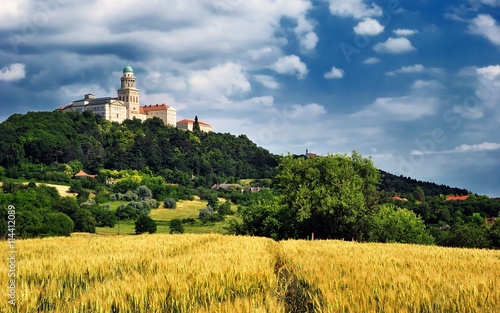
x: 129, y: 94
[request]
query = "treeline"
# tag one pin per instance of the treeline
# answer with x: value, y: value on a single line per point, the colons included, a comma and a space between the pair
x: 406, y: 186
x: 48, y: 138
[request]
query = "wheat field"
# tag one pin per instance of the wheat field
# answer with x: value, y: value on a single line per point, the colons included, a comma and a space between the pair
x: 217, y: 273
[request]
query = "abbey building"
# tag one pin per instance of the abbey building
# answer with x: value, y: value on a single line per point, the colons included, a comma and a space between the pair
x: 127, y: 105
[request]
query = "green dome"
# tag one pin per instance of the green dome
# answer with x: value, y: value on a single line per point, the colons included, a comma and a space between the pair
x: 127, y: 68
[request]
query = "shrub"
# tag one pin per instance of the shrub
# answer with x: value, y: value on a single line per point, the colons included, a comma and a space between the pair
x: 169, y: 203
x: 143, y: 193
x: 103, y: 216
x: 225, y: 208
x: 176, y: 226
x: 130, y: 196
x: 188, y: 220
x: 125, y: 212
x: 216, y: 217
x: 84, y: 221
x: 206, y: 212
x: 101, y: 197
x: 145, y: 224
x: 89, y: 202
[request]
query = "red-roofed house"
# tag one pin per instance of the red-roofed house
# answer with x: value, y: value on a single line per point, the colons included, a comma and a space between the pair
x: 457, y: 198
x: 188, y: 125
x: 166, y: 113
x: 399, y: 199
x: 82, y: 174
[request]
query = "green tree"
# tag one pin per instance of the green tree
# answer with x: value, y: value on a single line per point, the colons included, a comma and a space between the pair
x: 196, y: 125
x: 494, y: 234
x: 145, y: 224
x: 57, y: 224
x: 327, y: 195
x: 84, y: 221
x: 176, y: 226
x: 225, y: 208
x: 468, y: 235
x: 393, y: 224
x: 269, y: 218
x: 419, y: 194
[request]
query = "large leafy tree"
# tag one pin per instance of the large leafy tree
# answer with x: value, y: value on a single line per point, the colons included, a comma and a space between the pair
x: 329, y: 196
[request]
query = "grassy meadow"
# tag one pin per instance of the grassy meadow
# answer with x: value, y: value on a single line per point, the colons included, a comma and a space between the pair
x: 217, y: 273
x: 185, y: 209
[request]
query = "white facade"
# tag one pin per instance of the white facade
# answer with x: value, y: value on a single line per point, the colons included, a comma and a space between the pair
x: 188, y: 125
x: 167, y: 114
x: 109, y: 108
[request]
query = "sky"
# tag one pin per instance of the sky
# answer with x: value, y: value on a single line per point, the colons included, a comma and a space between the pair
x: 413, y: 84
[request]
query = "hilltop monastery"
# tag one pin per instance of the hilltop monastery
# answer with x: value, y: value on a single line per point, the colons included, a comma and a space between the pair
x: 127, y: 106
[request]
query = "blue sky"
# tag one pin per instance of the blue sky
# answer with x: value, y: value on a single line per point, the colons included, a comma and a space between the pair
x: 414, y: 84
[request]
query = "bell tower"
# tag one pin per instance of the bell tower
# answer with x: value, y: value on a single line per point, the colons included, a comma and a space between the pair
x: 128, y: 93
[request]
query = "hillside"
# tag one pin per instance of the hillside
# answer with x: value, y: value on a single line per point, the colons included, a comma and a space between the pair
x: 406, y: 186
x: 215, y: 273
x: 55, y: 138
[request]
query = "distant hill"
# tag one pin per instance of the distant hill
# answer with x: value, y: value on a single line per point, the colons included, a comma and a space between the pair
x: 406, y: 186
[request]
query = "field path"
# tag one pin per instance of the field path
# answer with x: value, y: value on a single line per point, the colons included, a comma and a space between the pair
x: 62, y: 189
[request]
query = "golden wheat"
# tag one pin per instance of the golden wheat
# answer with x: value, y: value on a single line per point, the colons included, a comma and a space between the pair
x: 354, y: 277
x: 215, y: 273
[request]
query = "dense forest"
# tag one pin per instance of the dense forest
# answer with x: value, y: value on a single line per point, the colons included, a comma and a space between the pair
x: 48, y: 138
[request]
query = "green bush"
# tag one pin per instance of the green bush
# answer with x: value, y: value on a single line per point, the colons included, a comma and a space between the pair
x: 206, y: 212
x: 143, y: 193
x: 145, y: 224
x: 392, y: 224
x: 225, y: 208
x: 176, y: 226
x: 169, y: 203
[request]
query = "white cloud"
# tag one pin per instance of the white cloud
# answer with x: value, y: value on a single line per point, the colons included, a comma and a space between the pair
x: 267, y: 80
x: 494, y: 3
x: 228, y: 79
x: 304, y: 32
x: 13, y: 72
x: 291, y: 64
x: 405, y: 32
x: 353, y: 8
x: 468, y: 112
x: 426, y: 84
x: 486, y: 26
x: 394, y: 45
x: 371, y: 61
x: 489, y: 72
x: 368, y: 27
x: 311, y: 110
x: 335, y: 73
x: 417, y: 68
x: 405, y: 108
x: 485, y: 146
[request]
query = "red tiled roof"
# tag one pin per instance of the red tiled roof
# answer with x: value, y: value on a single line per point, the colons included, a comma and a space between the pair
x: 63, y: 107
x: 184, y: 121
x: 457, y: 198
x: 153, y: 107
x: 83, y: 174
x: 399, y: 199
